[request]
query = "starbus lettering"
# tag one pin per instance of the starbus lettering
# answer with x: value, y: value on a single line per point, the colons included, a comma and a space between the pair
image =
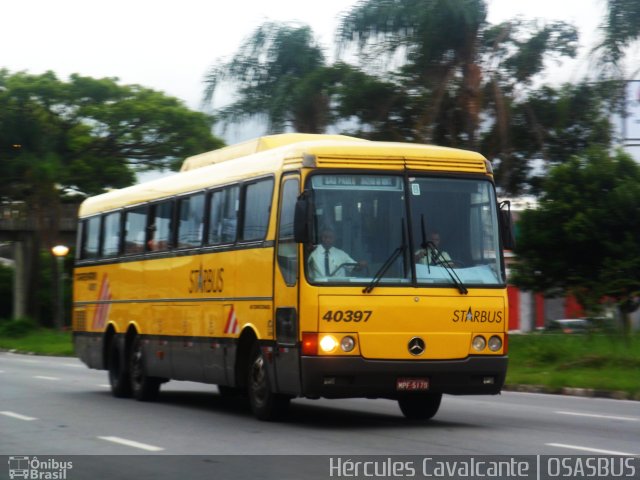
x: 206, y: 280
x: 477, y: 316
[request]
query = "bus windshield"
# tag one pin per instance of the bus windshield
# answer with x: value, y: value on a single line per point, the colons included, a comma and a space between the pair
x: 389, y: 230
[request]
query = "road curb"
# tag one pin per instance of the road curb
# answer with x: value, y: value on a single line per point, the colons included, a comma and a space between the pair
x: 571, y: 391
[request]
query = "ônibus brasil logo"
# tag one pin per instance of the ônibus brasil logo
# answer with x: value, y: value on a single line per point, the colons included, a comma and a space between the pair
x: 33, y: 468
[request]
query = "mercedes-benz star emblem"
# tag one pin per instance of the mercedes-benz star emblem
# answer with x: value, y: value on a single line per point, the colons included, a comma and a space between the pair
x: 416, y: 346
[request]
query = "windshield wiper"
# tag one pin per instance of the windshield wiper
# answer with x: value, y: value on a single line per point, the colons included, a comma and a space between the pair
x: 428, y: 244
x: 387, y: 264
x: 445, y: 264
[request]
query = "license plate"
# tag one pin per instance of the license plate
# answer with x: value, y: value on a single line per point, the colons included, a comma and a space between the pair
x: 412, y: 384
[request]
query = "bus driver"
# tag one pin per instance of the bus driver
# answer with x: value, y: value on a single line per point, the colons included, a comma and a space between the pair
x: 326, y: 260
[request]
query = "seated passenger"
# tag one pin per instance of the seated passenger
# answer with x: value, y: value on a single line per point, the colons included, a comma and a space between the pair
x: 433, y: 256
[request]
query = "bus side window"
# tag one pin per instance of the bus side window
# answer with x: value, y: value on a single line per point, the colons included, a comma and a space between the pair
x: 257, y: 206
x: 191, y: 221
x: 91, y: 238
x: 223, y: 216
x: 159, y: 229
x: 135, y: 230
x: 111, y: 241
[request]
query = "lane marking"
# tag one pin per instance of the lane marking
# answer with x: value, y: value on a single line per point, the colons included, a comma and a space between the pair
x: 593, y: 415
x: 132, y: 443
x: 72, y: 365
x: 43, y: 377
x: 104, y: 385
x: 25, y: 360
x: 592, y: 450
x: 17, y: 415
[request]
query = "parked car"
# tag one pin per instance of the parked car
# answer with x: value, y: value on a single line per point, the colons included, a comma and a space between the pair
x: 568, y: 325
x: 582, y: 325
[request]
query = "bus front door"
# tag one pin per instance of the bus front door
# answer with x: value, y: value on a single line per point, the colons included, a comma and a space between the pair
x: 287, y: 356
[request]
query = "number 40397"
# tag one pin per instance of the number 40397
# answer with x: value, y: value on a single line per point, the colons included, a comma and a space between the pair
x: 347, y: 316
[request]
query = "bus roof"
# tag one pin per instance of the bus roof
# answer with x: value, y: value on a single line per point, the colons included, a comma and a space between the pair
x: 254, y: 146
x: 270, y: 154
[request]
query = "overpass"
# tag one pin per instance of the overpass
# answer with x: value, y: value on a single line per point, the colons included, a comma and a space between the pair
x: 28, y: 232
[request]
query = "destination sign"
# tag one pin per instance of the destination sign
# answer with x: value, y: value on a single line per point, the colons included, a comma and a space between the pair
x: 357, y: 182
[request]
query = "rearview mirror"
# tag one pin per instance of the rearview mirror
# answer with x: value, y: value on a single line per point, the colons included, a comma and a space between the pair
x: 303, y: 219
x: 506, y: 226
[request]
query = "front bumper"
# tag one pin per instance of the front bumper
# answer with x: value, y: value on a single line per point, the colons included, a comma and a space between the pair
x: 343, y: 377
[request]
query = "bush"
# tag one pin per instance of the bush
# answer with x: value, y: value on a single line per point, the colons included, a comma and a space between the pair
x: 16, y: 328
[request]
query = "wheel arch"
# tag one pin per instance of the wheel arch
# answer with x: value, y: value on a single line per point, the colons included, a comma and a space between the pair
x: 245, y: 342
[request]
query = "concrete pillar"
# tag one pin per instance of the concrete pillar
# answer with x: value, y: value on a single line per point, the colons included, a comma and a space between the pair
x: 527, y: 310
x: 20, y: 280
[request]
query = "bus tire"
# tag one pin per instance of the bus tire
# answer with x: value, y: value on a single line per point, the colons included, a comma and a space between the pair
x: 118, y: 371
x: 265, y: 404
x: 420, y: 406
x: 143, y: 387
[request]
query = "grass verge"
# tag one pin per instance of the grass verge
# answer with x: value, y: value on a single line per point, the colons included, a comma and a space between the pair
x: 23, y: 336
x: 557, y: 361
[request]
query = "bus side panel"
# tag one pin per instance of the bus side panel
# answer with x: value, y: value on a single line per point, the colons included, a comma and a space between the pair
x: 214, y: 348
x: 89, y: 347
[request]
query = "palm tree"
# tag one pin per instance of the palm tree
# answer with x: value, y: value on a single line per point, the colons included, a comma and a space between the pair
x: 621, y: 28
x: 273, y: 70
x: 456, y: 64
x: 439, y: 41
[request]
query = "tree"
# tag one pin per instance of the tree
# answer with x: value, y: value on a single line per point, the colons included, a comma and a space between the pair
x: 439, y: 41
x: 547, y: 127
x: 621, y: 28
x: 90, y: 134
x: 456, y: 64
x: 458, y: 69
x: 278, y: 70
x: 584, y: 239
x: 85, y: 135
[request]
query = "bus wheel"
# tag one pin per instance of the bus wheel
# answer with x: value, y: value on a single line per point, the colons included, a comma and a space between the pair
x: 143, y: 387
x: 421, y: 406
x: 265, y: 404
x: 118, y: 372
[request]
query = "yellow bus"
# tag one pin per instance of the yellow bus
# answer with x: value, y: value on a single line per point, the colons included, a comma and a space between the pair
x: 300, y: 265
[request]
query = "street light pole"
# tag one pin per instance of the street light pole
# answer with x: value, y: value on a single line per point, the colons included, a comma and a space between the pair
x: 60, y: 252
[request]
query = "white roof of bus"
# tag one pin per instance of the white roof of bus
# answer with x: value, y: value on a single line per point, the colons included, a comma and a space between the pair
x: 272, y: 154
x: 256, y: 145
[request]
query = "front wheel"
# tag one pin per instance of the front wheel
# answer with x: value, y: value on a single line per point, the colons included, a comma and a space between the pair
x: 265, y: 404
x: 421, y: 406
x: 143, y: 387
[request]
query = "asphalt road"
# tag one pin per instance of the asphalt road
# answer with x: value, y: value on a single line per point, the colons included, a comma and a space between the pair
x: 58, y: 407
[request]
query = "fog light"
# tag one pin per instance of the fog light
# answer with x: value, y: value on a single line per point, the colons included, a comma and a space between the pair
x: 347, y: 344
x: 495, y: 343
x: 328, y: 344
x: 479, y: 343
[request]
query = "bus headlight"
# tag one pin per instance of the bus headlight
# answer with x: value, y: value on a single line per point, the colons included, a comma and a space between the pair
x: 495, y: 343
x: 479, y: 343
x: 328, y: 344
x: 347, y: 344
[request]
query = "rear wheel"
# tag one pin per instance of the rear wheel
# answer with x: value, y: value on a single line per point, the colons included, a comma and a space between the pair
x: 118, y: 372
x: 265, y: 404
x: 421, y: 406
x: 143, y: 387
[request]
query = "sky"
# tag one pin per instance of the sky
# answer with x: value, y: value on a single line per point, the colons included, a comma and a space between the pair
x: 169, y: 45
